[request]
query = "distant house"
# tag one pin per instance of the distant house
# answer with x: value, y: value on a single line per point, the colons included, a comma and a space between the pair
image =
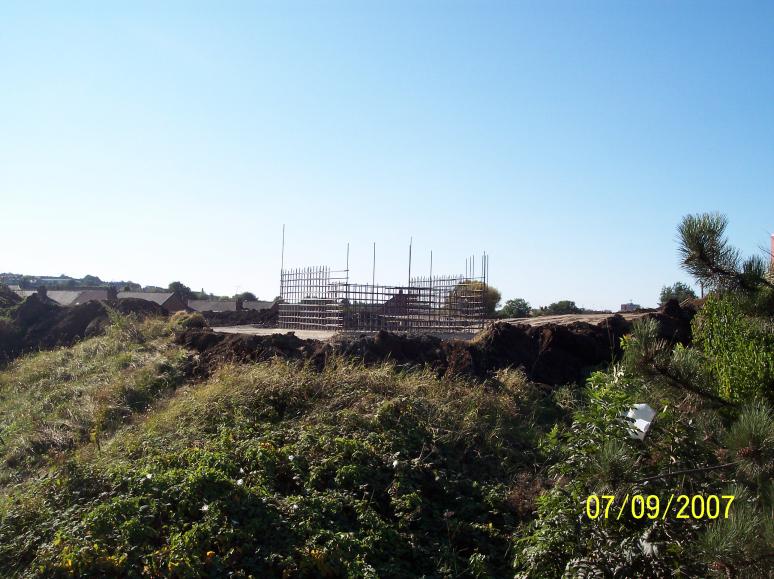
x: 257, y: 305
x: 228, y: 305
x: 630, y: 307
x: 102, y: 295
x: 24, y: 293
x: 400, y: 304
x: 71, y: 297
x: 65, y: 297
x: 170, y: 301
x: 212, y: 305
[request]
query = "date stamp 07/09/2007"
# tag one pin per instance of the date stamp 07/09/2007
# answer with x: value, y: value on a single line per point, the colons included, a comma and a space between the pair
x: 654, y: 507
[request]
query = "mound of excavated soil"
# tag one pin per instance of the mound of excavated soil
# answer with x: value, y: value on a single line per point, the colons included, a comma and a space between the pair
x: 8, y: 297
x: 46, y: 324
x: 551, y: 353
x: 399, y: 348
x: 40, y: 323
x: 216, y: 348
x: 263, y: 318
x: 138, y: 307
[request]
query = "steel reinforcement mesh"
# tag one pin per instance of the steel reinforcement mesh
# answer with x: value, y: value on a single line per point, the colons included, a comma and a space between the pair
x: 318, y: 298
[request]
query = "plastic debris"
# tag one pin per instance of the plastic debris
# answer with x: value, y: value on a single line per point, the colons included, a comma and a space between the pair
x: 640, y: 417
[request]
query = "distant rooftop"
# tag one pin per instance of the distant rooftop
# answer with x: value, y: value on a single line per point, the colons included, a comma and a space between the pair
x: 257, y: 305
x: 69, y: 297
x: 158, y: 297
x: 89, y: 295
x: 212, y: 305
x: 227, y: 305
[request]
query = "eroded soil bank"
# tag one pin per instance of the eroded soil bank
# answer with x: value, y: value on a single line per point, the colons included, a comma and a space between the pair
x: 551, y: 353
x: 39, y: 323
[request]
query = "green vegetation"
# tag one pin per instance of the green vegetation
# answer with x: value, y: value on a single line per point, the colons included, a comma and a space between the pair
x: 679, y: 291
x: 126, y: 456
x: 182, y: 290
x: 559, y: 308
x: 469, y: 289
x: 274, y: 469
x: 698, y: 445
x: 709, y: 257
x: 712, y: 436
x: 492, y: 297
x: 246, y: 296
x: 54, y: 401
x: 515, y: 308
x: 739, y: 349
x: 186, y: 293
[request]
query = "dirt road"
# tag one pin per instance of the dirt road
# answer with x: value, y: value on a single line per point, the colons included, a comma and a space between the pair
x: 566, y: 319
x: 321, y: 335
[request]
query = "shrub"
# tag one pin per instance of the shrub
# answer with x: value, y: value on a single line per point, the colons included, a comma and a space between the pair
x: 470, y: 290
x: 516, y: 308
x: 594, y: 455
x: 56, y: 401
x: 740, y: 349
x: 186, y: 320
x: 679, y: 291
x: 559, y: 308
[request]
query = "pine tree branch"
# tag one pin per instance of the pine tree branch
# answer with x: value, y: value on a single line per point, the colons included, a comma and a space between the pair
x: 707, y: 255
x: 677, y: 382
x: 687, y: 471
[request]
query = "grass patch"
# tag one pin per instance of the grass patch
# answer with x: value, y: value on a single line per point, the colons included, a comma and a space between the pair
x: 274, y: 469
x: 52, y: 402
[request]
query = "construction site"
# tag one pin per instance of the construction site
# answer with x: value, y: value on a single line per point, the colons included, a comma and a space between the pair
x: 320, y: 298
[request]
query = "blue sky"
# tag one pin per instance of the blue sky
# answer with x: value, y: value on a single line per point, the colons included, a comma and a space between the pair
x: 162, y: 141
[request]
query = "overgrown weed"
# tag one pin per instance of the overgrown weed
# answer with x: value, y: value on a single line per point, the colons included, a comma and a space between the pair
x: 56, y: 400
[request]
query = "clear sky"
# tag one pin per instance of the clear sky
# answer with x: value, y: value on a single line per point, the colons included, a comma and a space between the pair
x: 157, y: 141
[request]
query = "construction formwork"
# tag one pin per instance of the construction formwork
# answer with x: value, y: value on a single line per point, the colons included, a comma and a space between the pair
x: 318, y: 298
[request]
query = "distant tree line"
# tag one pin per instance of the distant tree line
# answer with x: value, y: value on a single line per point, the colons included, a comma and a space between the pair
x: 188, y: 294
x: 521, y: 308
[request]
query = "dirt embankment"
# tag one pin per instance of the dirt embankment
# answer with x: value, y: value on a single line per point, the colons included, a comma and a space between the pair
x: 8, y: 298
x: 263, y: 318
x: 550, y: 352
x: 40, y: 323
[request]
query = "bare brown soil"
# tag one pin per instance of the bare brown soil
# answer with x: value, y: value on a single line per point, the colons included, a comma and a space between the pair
x: 8, y: 297
x: 40, y: 323
x: 552, y: 351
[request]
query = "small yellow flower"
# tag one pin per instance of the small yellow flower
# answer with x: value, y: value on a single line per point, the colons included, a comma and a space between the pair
x: 210, y: 554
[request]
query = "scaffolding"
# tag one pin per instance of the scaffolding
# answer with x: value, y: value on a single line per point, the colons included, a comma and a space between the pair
x: 319, y: 298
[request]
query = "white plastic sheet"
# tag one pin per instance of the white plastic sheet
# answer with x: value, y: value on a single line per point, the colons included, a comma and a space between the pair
x: 643, y: 416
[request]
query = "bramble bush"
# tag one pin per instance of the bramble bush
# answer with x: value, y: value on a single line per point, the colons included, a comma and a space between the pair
x: 739, y: 349
x: 714, y: 447
x: 274, y: 470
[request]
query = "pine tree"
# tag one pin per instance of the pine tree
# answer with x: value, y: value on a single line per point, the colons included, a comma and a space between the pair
x: 706, y: 254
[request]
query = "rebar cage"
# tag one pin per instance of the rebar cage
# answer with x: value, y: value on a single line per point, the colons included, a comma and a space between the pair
x: 318, y: 298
